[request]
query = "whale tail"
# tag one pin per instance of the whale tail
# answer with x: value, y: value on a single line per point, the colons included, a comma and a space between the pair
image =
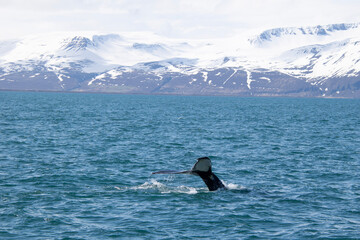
x: 202, y: 168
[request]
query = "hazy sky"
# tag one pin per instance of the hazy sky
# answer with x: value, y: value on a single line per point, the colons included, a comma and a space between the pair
x: 172, y: 18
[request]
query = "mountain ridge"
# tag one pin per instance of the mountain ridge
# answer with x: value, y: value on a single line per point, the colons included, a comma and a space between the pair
x: 320, y: 61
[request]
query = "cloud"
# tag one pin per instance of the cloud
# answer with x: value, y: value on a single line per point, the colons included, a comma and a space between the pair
x: 173, y: 18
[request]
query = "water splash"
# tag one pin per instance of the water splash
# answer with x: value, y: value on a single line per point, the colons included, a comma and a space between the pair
x: 236, y: 187
x: 154, y: 185
x: 162, y: 188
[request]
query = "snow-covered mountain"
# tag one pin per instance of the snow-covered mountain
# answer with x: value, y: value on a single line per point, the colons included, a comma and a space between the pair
x: 305, y: 61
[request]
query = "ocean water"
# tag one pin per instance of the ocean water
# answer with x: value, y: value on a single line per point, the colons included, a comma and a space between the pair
x: 78, y: 166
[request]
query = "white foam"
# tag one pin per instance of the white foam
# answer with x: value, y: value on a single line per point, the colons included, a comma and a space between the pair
x: 162, y: 188
x: 186, y: 190
x: 150, y: 185
x: 233, y: 186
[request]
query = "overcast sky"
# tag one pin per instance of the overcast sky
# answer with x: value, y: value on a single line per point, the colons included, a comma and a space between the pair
x: 172, y: 18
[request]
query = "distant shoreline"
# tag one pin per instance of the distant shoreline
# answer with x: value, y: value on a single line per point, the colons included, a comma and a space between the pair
x: 179, y: 94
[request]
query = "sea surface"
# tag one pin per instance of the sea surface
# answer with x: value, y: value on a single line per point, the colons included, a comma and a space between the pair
x: 78, y: 166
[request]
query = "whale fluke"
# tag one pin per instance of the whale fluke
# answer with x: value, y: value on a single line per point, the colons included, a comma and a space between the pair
x: 202, y: 168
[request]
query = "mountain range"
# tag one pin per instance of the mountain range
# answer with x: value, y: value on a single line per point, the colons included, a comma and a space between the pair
x: 318, y: 61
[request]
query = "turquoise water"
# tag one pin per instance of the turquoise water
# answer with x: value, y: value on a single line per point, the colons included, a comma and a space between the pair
x: 78, y: 166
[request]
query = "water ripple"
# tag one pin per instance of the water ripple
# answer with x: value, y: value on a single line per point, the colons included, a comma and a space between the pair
x: 78, y: 166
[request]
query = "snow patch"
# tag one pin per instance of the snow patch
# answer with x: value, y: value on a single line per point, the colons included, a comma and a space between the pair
x: 193, y: 80
x: 230, y: 77
x: 205, y: 76
x: 36, y: 74
x: 266, y: 78
x: 248, y: 79
x: 99, y: 77
x: 61, y: 77
x: 114, y: 74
